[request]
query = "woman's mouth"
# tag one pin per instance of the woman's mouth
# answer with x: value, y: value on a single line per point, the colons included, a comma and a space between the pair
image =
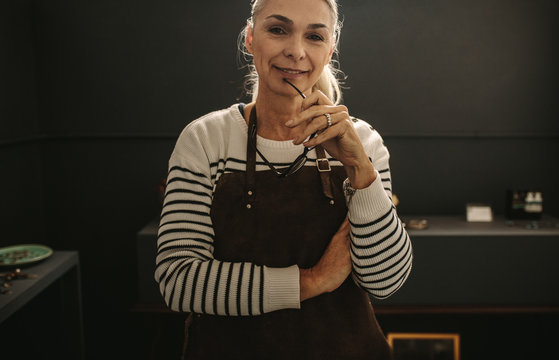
x: 292, y: 72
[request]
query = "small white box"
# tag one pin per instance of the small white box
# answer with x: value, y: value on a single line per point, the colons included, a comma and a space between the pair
x: 479, y: 213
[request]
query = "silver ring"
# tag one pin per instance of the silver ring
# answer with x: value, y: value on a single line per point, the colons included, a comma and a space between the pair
x: 329, y: 120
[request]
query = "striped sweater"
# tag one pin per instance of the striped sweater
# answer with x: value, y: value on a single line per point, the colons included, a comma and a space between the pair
x: 191, y: 279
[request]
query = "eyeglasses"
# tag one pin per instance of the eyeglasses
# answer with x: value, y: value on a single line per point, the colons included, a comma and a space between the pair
x: 295, y: 166
x: 299, y: 162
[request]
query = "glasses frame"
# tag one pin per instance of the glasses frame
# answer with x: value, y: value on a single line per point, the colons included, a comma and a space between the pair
x: 295, y: 166
x: 300, y: 160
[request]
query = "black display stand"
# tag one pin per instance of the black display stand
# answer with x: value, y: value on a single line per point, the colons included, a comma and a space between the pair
x: 50, y: 303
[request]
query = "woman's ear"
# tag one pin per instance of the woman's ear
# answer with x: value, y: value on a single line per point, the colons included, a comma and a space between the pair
x: 330, y: 55
x: 248, y: 38
x: 331, y: 51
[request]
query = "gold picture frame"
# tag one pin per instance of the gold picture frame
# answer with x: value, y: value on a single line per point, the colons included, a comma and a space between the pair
x: 425, y: 345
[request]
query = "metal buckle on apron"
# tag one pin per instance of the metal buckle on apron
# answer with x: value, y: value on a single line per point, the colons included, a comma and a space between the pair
x: 324, y: 168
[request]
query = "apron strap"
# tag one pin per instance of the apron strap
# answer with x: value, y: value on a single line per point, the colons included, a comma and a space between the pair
x: 187, y: 323
x: 251, y: 160
x: 323, y: 167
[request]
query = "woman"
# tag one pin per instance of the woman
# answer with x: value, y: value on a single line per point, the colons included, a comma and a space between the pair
x: 263, y: 222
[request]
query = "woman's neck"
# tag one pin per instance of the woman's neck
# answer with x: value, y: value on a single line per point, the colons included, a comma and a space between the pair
x: 273, y: 113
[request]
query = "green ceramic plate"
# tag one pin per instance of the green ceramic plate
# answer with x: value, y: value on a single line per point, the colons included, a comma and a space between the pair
x: 23, y: 254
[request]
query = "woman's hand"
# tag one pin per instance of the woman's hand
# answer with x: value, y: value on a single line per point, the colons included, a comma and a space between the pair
x: 331, y: 270
x: 340, y: 139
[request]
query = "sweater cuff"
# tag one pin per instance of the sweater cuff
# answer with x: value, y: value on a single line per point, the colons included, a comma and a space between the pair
x: 369, y: 203
x: 281, y: 288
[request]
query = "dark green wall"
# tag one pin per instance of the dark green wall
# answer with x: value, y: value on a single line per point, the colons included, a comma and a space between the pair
x: 464, y: 93
x: 94, y: 94
x: 22, y: 203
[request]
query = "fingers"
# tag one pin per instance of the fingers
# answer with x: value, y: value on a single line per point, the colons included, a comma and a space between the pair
x: 317, y: 124
x: 339, y: 129
x: 314, y: 112
x: 314, y: 119
x: 344, y: 227
x: 342, y: 235
x: 319, y: 104
x: 317, y: 97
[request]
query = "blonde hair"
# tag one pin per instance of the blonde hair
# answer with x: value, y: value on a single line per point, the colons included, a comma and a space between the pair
x: 329, y: 81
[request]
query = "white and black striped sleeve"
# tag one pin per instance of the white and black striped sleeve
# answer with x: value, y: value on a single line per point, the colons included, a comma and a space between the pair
x: 381, y: 250
x: 189, y: 277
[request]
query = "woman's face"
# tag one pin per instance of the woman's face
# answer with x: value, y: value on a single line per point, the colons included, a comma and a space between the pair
x: 291, y: 39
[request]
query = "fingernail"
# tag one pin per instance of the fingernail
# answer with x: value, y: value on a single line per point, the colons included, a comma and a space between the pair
x: 289, y: 123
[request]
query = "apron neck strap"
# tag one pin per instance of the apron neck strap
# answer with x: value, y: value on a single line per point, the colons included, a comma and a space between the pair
x: 251, y: 160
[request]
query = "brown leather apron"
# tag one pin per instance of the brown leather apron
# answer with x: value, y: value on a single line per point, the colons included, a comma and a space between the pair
x: 290, y: 221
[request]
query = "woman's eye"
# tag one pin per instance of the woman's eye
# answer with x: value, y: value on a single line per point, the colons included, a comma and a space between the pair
x: 276, y: 30
x: 315, y: 37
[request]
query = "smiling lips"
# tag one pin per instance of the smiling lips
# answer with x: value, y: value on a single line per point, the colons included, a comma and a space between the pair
x: 290, y: 71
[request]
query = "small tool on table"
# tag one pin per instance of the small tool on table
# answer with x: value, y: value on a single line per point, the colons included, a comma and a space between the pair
x: 8, y: 277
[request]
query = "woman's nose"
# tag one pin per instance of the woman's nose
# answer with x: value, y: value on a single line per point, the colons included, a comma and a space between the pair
x: 295, y: 48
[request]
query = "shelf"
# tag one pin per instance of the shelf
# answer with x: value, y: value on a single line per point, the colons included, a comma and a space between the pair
x: 458, y: 226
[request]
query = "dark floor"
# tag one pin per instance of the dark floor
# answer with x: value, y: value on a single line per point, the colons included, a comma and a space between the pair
x: 36, y: 333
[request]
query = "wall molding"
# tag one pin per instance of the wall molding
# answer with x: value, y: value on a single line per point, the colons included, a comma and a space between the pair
x: 19, y: 140
x: 468, y: 135
x: 89, y: 137
x: 16, y: 141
